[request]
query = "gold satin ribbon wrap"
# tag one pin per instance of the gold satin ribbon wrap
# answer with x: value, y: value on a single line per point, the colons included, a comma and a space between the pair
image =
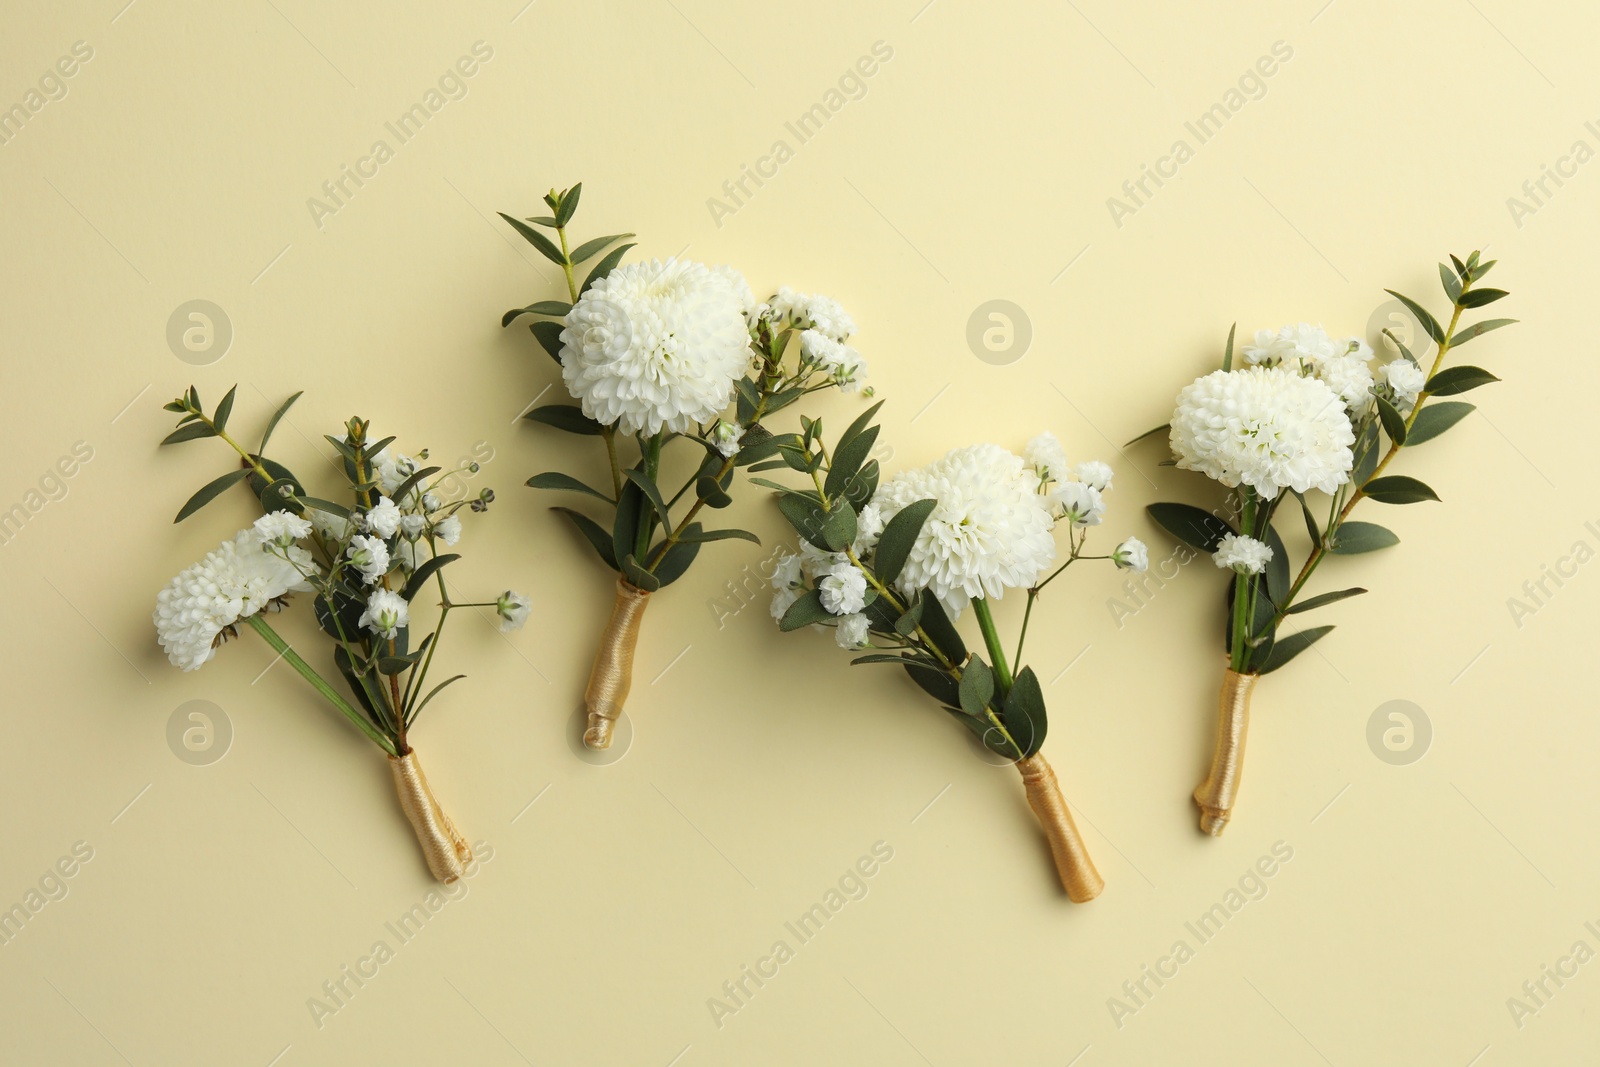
x: 1216, y: 794
x: 446, y: 851
x: 612, y: 674
x: 1073, y: 865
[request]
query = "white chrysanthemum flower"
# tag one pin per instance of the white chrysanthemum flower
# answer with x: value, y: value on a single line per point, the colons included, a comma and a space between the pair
x: 843, y: 589
x: 236, y: 579
x: 990, y: 530
x: 1046, y: 456
x: 513, y: 609
x: 1405, y: 378
x: 387, y: 612
x: 1132, y: 555
x: 1244, y: 555
x: 869, y: 527
x: 370, y: 556
x: 656, y: 345
x: 281, y: 528
x: 412, y: 525
x: 448, y: 529
x: 853, y: 631
x: 734, y: 280
x: 1266, y: 427
x: 725, y: 435
x: 1350, y: 376
x: 1095, y: 474
x: 782, y: 601
x: 1301, y: 342
x: 383, y: 518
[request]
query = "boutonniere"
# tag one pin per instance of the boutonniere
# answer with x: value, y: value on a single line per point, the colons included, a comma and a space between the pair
x: 363, y: 566
x: 656, y: 352
x: 891, y: 568
x: 1307, y: 418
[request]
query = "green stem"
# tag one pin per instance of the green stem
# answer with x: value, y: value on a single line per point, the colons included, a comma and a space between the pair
x: 991, y: 638
x: 647, y: 514
x: 319, y: 683
x: 1240, y: 653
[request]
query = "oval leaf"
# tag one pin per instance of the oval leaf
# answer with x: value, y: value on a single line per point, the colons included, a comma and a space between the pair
x: 1453, y: 380
x: 1399, y: 489
x: 210, y: 491
x: 1435, y: 419
x: 1191, y: 525
x: 568, y: 417
x: 1353, y: 538
x: 899, y: 537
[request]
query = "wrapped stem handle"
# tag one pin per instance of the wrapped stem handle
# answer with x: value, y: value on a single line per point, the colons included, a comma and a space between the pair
x: 612, y: 674
x: 1073, y: 865
x: 446, y: 851
x: 1216, y: 795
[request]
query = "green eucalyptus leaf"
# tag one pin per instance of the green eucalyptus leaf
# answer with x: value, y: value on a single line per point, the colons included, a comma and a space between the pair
x: 605, y: 266
x: 807, y: 518
x: 1289, y: 647
x: 590, y: 248
x: 224, y: 410
x: 806, y: 611
x: 1453, y: 380
x: 558, y: 308
x: 538, y: 240
x: 1428, y: 322
x: 595, y: 534
x: 707, y: 489
x: 977, y: 686
x: 1394, y: 424
x: 1399, y: 489
x: 641, y: 578
x: 1477, y: 298
x: 1434, y: 419
x: 839, y: 528
x: 277, y: 416
x: 192, y: 432
x: 1464, y: 334
x: 569, y: 205
x: 548, y: 334
x: 1189, y: 524
x: 420, y: 576
x: 210, y: 491
x: 1324, y: 599
x: 1353, y: 538
x: 1024, y: 714
x: 899, y: 537
x: 568, y: 417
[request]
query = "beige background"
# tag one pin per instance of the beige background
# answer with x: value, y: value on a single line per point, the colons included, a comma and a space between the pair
x: 976, y: 166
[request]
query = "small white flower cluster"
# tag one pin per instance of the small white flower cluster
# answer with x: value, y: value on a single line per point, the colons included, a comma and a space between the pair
x: 1242, y: 554
x: 1346, y: 365
x: 658, y: 345
x: 840, y: 585
x: 1072, y: 493
x: 726, y: 436
x: 237, y: 579
x: 825, y: 328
